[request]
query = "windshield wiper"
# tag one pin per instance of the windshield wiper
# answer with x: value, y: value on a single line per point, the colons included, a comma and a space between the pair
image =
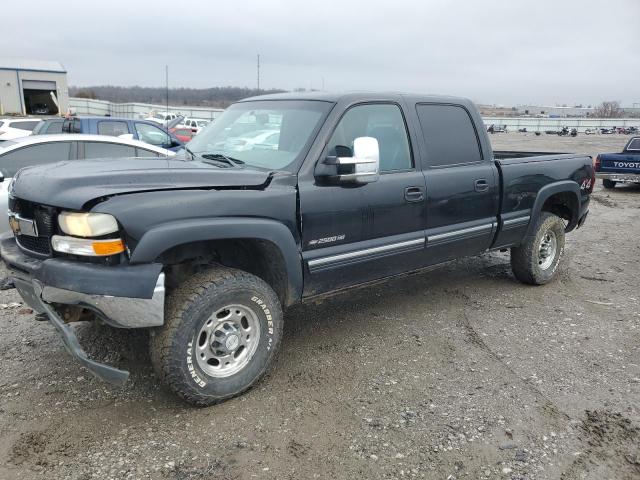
x: 193, y: 155
x: 222, y: 157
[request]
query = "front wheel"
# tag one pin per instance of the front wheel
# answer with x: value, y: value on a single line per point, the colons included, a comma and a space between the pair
x: 606, y: 183
x: 536, y: 260
x: 222, y: 330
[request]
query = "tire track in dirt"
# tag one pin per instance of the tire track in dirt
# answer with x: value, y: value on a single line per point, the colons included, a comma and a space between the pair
x: 545, y: 404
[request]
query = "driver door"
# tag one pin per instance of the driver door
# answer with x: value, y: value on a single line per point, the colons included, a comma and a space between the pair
x: 354, y: 233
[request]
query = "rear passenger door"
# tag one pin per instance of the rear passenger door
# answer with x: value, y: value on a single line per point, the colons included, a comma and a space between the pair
x: 462, y: 186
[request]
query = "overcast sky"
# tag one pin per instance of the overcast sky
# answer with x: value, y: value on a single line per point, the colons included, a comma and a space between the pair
x: 493, y: 51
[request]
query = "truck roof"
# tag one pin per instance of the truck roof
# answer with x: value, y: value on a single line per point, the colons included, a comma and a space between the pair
x: 335, y: 97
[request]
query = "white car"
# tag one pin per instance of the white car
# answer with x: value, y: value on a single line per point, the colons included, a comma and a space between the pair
x: 42, y: 149
x: 15, y: 128
x: 161, y: 118
x: 256, y: 140
x: 195, y: 124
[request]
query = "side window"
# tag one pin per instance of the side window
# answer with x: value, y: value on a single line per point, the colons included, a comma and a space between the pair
x: 54, y: 127
x: 449, y: 135
x: 107, y: 150
x: 72, y: 126
x: 27, y: 126
x: 385, y: 123
x: 112, y: 128
x: 39, y: 154
x: 152, y: 135
x: 143, y: 152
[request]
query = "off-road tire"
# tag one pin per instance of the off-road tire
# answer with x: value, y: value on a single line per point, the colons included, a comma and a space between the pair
x: 606, y: 183
x: 525, y: 258
x: 187, y: 309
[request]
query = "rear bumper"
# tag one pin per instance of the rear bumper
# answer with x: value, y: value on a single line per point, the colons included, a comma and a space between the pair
x: 620, y: 177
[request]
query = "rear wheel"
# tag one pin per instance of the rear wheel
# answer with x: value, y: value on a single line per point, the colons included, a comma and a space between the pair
x: 606, y: 183
x: 222, y: 330
x: 536, y: 260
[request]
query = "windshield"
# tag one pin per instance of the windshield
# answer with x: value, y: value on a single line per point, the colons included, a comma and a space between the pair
x: 270, y: 134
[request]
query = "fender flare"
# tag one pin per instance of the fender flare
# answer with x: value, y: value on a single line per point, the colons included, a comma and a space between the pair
x: 168, y: 235
x: 565, y: 186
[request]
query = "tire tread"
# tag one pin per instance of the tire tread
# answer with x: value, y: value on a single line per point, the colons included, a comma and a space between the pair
x: 163, y: 342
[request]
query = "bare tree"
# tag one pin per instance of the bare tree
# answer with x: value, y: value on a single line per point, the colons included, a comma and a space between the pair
x: 610, y: 109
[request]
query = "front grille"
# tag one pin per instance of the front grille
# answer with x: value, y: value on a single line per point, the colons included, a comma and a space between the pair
x: 44, y: 218
x: 40, y: 245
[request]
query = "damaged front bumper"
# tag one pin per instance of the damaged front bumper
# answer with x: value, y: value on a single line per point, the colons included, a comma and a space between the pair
x: 128, y: 296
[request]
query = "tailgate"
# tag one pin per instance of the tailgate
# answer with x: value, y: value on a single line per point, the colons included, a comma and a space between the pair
x: 620, y: 163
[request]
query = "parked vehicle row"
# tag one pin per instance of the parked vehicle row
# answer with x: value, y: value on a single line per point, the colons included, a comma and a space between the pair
x: 355, y: 188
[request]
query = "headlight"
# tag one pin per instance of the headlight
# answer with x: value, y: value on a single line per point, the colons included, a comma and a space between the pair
x: 87, y: 224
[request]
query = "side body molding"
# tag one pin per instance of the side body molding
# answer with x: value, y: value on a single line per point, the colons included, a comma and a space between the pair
x: 565, y: 186
x: 163, y: 237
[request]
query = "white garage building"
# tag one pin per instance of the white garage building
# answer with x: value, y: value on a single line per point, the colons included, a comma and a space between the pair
x: 33, y: 87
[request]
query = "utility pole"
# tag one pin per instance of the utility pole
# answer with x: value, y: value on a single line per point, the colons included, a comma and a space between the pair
x: 258, y: 74
x: 166, y: 74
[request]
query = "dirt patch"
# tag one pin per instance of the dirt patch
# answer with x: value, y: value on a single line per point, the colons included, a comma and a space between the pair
x: 611, y: 448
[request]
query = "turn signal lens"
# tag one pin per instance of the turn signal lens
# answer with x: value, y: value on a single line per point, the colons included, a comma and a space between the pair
x: 87, y: 247
x: 110, y: 247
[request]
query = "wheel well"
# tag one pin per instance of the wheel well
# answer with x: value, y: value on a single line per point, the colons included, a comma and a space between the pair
x: 261, y: 258
x: 564, y: 205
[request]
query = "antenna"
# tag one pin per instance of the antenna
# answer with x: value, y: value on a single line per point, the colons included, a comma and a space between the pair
x: 258, y: 74
x: 166, y: 78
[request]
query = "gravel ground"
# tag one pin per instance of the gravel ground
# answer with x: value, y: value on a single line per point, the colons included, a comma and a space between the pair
x: 457, y: 373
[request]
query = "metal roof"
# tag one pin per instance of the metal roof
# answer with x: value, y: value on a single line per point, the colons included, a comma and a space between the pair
x: 31, y: 65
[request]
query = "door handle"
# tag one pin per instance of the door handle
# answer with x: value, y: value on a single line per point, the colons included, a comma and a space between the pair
x: 481, y: 185
x: 414, y: 194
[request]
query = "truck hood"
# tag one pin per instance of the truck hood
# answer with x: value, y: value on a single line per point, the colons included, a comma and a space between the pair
x: 72, y: 184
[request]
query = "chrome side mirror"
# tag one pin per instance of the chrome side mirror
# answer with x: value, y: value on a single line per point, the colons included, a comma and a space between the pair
x: 1, y: 177
x: 362, y: 167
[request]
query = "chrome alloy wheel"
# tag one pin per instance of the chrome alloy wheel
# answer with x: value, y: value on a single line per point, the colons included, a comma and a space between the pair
x: 227, y: 341
x: 547, y: 250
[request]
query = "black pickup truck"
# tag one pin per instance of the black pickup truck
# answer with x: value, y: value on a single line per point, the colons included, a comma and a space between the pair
x: 282, y: 199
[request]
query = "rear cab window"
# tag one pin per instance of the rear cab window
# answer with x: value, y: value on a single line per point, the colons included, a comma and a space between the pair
x: 449, y: 135
x: 634, y: 145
